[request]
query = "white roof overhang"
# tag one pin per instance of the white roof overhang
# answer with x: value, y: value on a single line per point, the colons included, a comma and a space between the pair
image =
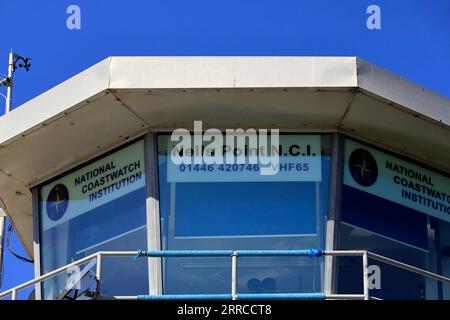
x: 123, y: 97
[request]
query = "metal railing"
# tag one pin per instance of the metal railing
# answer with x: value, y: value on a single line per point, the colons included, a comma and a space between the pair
x: 234, y: 255
x: 96, y: 256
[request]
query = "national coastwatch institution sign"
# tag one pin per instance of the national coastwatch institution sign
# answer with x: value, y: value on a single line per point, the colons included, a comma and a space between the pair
x: 93, y: 185
x: 398, y: 180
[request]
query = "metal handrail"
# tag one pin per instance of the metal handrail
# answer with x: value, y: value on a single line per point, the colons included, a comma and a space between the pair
x: 98, y: 256
x: 408, y: 267
x: 234, y: 254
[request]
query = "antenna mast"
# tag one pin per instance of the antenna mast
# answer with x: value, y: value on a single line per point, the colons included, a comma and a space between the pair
x: 14, y: 61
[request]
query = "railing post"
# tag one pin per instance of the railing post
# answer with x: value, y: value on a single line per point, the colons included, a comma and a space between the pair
x: 98, y: 272
x: 234, y: 257
x: 14, y: 295
x: 366, y: 275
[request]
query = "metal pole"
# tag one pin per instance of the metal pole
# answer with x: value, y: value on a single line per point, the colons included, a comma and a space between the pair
x: 366, y: 275
x: 408, y: 267
x: 7, y: 109
x: 153, y: 215
x: 234, y: 258
x: 345, y: 297
x: 9, y: 86
x: 334, y: 213
x: 2, y: 240
x: 99, y: 266
x: 98, y: 273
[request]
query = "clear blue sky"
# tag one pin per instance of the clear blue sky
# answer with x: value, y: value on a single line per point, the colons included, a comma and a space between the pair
x: 414, y: 40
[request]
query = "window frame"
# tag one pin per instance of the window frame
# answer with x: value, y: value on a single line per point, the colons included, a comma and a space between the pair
x: 334, y: 183
x: 434, y: 255
x: 332, y: 226
x: 36, y: 199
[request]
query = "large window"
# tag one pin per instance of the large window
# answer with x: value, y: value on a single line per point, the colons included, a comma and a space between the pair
x: 232, y: 208
x: 99, y: 207
x: 395, y: 208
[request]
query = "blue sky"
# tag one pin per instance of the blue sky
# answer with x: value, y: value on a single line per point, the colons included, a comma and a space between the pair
x: 414, y: 40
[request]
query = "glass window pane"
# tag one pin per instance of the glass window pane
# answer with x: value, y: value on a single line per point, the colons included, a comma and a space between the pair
x: 99, y: 207
x: 444, y: 254
x: 389, y: 206
x: 213, y: 211
x: 394, y: 283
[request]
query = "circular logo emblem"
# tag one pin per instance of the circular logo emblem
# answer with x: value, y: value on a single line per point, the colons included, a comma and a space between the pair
x: 363, y: 167
x: 57, y: 202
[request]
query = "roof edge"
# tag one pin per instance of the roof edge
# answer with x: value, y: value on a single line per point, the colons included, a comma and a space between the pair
x: 159, y: 72
x: 414, y: 97
x: 56, y: 100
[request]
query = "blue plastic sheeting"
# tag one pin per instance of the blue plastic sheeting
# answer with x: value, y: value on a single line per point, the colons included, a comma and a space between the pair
x: 186, y: 297
x: 285, y: 253
x: 263, y: 296
x: 229, y: 253
x: 281, y: 296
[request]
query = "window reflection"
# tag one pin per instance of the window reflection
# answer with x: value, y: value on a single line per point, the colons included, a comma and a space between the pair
x: 99, y: 207
x: 243, y: 215
x: 378, y: 215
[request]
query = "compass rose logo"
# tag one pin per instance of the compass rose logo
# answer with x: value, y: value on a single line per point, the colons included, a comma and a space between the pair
x: 363, y: 167
x: 57, y: 202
